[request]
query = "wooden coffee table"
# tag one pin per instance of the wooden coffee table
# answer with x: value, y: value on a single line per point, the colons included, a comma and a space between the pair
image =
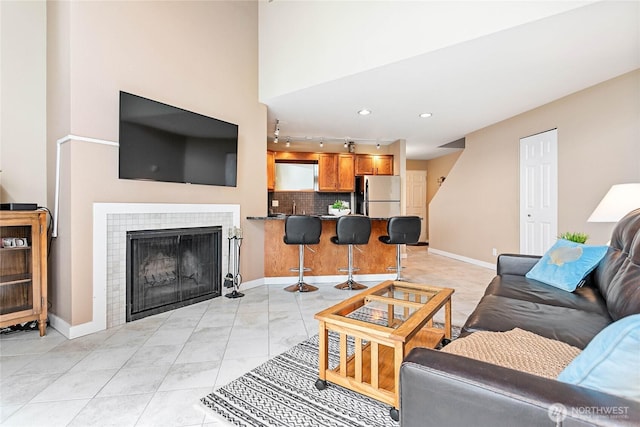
x: 377, y: 328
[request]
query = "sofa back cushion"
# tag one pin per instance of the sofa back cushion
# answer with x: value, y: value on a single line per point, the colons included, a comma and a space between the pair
x: 618, y: 274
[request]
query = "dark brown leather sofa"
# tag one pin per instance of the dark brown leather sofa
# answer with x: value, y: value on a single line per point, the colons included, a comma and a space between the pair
x: 440, y: 389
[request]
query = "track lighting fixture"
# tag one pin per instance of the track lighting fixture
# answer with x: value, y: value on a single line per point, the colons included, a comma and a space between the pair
x: 276, y: 133
x: 321, y: 143
x: 288, y: 144
x: 377, y: 146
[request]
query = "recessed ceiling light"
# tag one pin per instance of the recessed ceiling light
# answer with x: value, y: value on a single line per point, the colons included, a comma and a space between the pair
x: 425, y: 115
x: 364, y: 112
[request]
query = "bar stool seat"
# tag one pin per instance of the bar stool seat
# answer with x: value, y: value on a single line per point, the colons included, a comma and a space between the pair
x: 301, y: 230
x: 401, y: 230
x: 352, y: 230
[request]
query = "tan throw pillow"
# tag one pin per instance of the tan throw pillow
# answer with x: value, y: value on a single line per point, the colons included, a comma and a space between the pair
x: 516, y: 349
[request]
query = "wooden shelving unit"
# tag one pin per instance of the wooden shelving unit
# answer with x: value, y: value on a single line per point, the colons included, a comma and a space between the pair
x: 23, y: 268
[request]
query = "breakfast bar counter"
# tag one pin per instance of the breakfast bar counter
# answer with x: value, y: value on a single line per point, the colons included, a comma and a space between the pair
x: 328, y: 257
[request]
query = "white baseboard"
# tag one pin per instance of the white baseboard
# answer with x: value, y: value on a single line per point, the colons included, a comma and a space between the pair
x: 463, y: 258
x: 76, y: 331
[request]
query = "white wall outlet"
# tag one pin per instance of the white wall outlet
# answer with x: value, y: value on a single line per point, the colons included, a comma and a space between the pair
x: 275, y: 203
x: 494, y: 252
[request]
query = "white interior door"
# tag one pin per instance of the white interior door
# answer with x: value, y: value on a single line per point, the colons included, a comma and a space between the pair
x: 416, y: 202
x: 538, y: 192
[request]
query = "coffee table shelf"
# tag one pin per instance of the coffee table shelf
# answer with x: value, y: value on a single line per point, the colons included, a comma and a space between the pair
x: 384, y: 323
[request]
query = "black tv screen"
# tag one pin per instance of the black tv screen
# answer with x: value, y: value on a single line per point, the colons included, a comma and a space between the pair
x: 159, y: 142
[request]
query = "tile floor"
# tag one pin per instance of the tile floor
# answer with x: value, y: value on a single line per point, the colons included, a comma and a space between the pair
x: 152, y: 372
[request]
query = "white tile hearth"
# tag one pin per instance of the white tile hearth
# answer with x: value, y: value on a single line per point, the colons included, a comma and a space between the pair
x: 153, y: 371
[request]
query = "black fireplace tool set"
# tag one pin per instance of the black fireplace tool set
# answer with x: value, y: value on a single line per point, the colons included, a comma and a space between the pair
x: 233, y: 279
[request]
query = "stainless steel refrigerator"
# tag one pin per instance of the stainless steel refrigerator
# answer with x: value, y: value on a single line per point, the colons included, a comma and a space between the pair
x: 381, y: 196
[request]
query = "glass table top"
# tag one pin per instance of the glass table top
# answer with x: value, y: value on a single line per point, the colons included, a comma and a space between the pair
x: 392, y: 305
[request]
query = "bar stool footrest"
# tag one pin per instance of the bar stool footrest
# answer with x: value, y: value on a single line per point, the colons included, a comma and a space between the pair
x: 296, y: 269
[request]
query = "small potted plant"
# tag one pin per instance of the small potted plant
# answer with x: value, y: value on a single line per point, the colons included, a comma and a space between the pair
x: 574, y: 237
x: 339, y: 208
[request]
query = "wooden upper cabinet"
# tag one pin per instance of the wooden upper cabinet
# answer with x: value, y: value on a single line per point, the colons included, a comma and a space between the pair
x: 271, y: 171
x: 336, y: 172
x: 346, y: 173
x: 370, y: 164
x: 327, y: 172
x: 364, y: 164
x: 384, y: 165
x: 295, y: 156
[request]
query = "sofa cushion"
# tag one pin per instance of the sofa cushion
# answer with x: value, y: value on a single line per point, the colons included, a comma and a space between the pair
x: 566, y: 264
x: 611, y: 362
x: 585, y: 298
x: 574, y: 327
x: 516, y: 349
x: 618, y: 275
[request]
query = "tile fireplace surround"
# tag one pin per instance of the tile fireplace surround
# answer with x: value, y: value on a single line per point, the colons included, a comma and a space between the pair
x: 111, y: 221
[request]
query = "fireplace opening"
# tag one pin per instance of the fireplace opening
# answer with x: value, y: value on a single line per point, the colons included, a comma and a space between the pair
x: 171, y: 268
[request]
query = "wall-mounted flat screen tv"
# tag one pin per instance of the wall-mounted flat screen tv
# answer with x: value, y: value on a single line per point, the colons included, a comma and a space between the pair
x: 159, y: 142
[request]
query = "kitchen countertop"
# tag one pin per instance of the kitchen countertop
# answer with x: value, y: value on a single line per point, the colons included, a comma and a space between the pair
x: 322, y: 217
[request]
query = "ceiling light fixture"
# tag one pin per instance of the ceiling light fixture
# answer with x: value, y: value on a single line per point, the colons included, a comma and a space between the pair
x: 426, y: 115
x: 345, y: 144
x: 377, y: 146
x: 364, y: 112
x: 321, y: 143
x: 288, y: 144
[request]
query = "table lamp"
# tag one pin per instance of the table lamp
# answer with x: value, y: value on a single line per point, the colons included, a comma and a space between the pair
x: 619, y: 201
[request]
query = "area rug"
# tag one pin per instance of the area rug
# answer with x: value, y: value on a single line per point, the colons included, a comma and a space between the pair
x: 281, y: 392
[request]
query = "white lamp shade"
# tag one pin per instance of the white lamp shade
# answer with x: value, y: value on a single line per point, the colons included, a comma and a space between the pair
x: 619, y: 201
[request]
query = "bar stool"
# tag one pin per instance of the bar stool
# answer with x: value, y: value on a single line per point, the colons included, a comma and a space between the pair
x: 401, y: 230
x: 301, y: 230
x: 352, y: 230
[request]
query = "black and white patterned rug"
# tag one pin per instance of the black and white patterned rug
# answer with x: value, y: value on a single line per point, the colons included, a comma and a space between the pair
x: 281, y: 392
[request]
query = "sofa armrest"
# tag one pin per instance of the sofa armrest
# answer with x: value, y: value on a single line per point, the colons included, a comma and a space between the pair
x: 515, y: 264
x: 439, y: 389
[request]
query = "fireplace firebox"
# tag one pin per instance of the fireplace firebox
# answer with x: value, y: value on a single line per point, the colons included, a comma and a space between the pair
x: 171, y: 268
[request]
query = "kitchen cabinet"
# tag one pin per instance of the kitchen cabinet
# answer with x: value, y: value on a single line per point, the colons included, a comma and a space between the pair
x: 336, y: 172
x: 271, y: 171
x: 23, y: 268
x: 296, y: 156
x: 371, y: 164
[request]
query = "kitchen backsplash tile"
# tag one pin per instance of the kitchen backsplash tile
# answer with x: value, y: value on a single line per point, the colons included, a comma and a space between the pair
x: 307, y: 203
